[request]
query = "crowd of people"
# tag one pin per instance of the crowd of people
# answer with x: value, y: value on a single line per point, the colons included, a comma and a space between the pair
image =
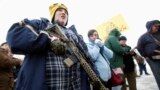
x: 49, y: 65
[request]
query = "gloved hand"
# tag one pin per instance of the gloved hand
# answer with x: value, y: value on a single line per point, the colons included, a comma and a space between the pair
x: 98, y: 42
x: 58, y: 47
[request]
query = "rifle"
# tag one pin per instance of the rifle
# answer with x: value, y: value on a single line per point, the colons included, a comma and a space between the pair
x: 77, y: 51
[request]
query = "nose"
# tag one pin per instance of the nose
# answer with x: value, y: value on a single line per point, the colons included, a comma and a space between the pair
x: 64, y: 12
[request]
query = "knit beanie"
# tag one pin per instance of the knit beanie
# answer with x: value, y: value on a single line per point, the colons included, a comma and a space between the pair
x: 53, y: 8
x: 122, y: 38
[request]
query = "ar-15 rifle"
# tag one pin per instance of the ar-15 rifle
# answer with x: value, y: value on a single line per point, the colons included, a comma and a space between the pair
x: 78, y: 52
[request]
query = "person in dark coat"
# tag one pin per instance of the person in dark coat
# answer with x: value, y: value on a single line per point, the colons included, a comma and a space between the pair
x: 6, y: 68
x: 43, y: 67
x: 142, y: 66
x: 129, y: 66
x: 148, y: 45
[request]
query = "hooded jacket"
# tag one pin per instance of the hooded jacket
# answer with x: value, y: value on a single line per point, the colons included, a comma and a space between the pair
x: 146, y: 44
x: 112, y: 42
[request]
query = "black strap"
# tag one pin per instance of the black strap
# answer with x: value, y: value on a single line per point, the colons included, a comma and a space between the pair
x: 156, y: 41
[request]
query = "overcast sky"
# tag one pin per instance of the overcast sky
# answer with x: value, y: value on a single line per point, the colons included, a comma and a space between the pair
x: 85, y: 14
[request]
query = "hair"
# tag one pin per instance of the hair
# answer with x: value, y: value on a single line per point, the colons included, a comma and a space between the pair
x: 3, y: 43
x: 122, y: 38
x: 90, y: 32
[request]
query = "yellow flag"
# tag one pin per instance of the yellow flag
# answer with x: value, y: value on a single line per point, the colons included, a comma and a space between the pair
x: 115, y: 22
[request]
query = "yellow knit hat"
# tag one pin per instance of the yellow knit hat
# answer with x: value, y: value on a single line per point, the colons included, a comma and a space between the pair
x: 54, y: 7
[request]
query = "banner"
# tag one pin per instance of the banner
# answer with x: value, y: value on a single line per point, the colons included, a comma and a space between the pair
x: 115, y: 22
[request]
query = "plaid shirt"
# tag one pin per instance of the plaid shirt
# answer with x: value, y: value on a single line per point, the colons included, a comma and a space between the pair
x: 59, y: 76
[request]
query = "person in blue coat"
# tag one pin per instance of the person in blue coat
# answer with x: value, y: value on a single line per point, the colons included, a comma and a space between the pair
x: 100, y: 55
x: 149, y: 47
x: 43, y: 67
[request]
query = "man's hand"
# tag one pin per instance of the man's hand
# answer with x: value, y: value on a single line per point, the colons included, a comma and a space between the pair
x: 58, y: 47
x: 131, y: 52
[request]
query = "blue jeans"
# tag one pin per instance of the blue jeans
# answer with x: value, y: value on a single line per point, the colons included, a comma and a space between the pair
x: 155, y: 67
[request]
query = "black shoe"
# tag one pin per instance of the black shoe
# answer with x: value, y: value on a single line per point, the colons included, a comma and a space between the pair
x: 147, y: 74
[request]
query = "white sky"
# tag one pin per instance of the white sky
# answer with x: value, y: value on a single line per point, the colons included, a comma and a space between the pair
x: 85, y: 14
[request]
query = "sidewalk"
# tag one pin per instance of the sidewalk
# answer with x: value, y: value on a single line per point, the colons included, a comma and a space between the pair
x: 146, y: 82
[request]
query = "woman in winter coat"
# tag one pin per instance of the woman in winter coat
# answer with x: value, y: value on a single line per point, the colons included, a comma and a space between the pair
x: 100, y: 54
